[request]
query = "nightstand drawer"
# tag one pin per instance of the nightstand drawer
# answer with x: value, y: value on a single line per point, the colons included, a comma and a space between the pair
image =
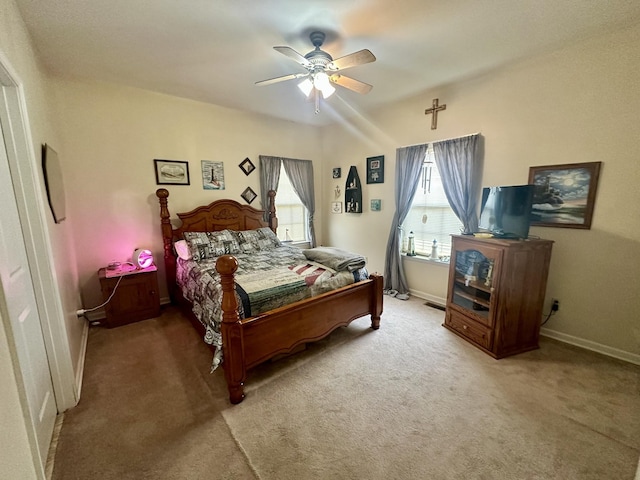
x: 475, y: 332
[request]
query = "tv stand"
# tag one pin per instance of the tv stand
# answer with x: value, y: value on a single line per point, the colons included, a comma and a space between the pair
x: 496, y: 292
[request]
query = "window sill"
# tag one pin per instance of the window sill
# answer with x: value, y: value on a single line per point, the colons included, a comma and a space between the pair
x: 299, y: 244
x: 423, y: 259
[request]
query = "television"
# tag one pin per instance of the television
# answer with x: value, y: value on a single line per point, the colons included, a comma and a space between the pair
x: 506, y: 211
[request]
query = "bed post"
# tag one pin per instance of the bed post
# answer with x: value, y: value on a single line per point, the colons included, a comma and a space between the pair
x: 271, y: 210
x: 376, y: 300
x: 231, y: 329
x: 167, y: 239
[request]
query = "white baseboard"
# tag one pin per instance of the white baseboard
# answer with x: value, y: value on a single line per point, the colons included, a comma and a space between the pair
x: 81, y: 357
x: 593, y: 346
x: 429, y: 298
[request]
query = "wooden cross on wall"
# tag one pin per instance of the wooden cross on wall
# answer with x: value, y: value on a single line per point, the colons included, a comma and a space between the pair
x: 434, y: 110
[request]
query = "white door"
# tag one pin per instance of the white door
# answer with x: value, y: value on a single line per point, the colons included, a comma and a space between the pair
x: 17, y: 294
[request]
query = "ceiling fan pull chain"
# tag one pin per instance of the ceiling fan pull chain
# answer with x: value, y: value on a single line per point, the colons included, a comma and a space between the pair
x: 317, y: 95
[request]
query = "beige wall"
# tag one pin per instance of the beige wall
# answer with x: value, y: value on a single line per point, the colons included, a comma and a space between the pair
x: 579, y: 104
x: 112, y: 134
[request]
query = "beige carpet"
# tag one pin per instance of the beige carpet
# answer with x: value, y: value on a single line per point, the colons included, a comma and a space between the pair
x: 411, y: 400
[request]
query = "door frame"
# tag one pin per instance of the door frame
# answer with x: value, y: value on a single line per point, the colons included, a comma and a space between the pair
x: 31, y: 209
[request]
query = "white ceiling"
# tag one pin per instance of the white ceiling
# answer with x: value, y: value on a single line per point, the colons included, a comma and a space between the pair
x: 215, y: 50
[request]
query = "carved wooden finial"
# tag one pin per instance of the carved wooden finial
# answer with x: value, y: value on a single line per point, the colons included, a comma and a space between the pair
x: 434, y: 110
x: 226, y: 265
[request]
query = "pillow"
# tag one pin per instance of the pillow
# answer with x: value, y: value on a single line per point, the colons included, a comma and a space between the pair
x: 257, y: 240
x: 182, y: 249
x: 207, y: 245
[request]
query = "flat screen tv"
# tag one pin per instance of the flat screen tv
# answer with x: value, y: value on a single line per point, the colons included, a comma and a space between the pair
x: 506, y: 211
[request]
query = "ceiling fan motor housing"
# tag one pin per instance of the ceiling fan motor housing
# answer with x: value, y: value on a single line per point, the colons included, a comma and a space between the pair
x: 317, y: 39
x: 318, y: 57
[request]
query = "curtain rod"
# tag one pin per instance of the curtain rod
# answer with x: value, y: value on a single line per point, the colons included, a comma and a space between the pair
x: 443, y: 140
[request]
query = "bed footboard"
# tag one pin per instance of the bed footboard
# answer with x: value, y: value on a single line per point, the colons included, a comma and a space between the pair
x: 249, y: 342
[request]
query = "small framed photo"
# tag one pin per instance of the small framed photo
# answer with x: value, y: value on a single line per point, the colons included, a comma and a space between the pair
x: 564, y: 195
x: 247, y: 166
x: 248, y: 195
x: 171, y: 172
x: 376, y: 205
x: 337, y: 172
x: 212, y: 175
x: 375, y: 169
x: 336, y: 207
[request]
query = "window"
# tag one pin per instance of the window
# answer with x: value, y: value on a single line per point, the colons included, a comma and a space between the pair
x: 430, y: 217
x: 291, y: 213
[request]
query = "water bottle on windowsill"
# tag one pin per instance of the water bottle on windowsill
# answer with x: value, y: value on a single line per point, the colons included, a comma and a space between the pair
x: 411, y: 247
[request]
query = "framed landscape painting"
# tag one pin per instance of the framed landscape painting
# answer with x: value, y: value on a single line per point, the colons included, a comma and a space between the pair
x: 564, y: 194
x: 171, y: 172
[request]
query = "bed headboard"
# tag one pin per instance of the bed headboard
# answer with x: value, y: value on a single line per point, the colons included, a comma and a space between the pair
x: 218, y: 215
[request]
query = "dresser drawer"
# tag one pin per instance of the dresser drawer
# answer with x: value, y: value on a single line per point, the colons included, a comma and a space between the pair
x: 470, y: 329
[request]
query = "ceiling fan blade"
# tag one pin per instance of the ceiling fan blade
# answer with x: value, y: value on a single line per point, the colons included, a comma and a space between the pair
x: 291, y: 76
x: 351, y: 83
x: 357, y: 58
x: 293, y: 55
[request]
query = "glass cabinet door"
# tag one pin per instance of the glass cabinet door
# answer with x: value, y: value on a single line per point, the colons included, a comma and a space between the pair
x: 473, y: 280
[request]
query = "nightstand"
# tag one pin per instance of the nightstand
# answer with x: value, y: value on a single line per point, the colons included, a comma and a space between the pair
x: 136, y: 297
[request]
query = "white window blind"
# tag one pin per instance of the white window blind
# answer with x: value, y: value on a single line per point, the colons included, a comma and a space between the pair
x: 430, y: 217
x: 291, y: 213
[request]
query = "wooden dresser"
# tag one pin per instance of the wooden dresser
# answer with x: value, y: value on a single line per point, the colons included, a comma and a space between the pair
x: 496, y: 292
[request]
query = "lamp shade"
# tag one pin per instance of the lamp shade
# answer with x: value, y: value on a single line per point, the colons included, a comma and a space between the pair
x: 306, y: 86
x: 142, y: 258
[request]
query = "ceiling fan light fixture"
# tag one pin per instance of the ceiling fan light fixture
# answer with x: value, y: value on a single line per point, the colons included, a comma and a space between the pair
x: 306, y: 86
x: 322, y: 83
x: 327, y: 91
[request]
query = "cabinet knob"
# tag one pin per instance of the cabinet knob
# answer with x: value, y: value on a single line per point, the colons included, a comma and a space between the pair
x: 464, y: 326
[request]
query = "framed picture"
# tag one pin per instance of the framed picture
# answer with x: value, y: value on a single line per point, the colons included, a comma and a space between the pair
x: 53, y: 183
x: 337, y: 172
x: 375, y: 169
x: 336, y: 207
x: 376, y: 204
x: 247, y: 166
x: 249, y: 195
x: 564, y: 194
x: 172, y: 172
x: 212, y: 175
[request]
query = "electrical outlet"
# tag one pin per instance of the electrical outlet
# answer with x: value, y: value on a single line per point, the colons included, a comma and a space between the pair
x: 555, y: 305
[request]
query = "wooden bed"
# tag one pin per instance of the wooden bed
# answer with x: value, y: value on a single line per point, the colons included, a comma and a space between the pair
x: 251, y: 341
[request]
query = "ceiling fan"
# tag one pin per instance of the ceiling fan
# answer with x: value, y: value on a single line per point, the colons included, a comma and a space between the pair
x: 323, y: 71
